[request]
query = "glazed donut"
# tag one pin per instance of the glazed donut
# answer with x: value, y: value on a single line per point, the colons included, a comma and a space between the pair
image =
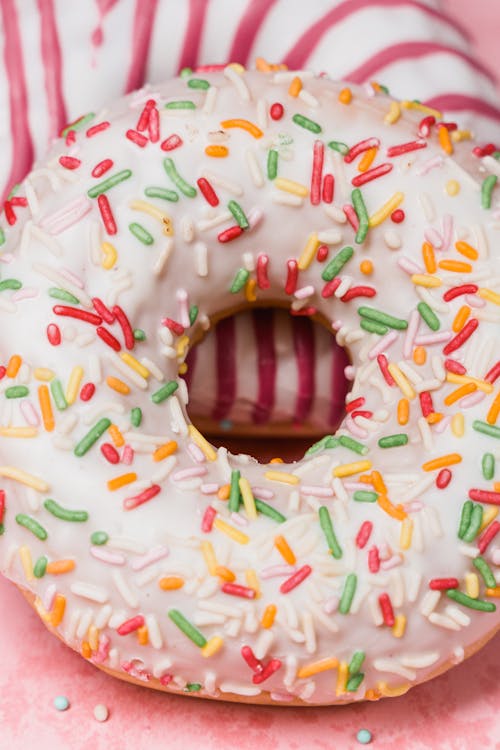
x: 359, y: 571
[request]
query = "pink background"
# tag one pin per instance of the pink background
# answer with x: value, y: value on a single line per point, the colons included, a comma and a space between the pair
x: 457, y: 711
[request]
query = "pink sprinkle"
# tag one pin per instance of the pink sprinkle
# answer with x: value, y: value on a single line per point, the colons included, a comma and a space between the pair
x: 107, y: 556
x: 384, y: 343
x: 278, y: 571
x: 48, y: 597
x: 192, y: 471
x: 27, y: 292
x: 472, y: 399
x: 408, y: 266
x: 262, y: 493
x: 129, y: 626
x: 373, y: 560
x: 495, y: 557
x: 254, y: 216
x: 442, y: 425
x: 183, y: 306
x: 196, y: 453
x: 76, y: 280
x: 436, y: 161
x: 447, y: 232
x: 29, y: 413
x: 433, y: 236
x: 133, y: 502
x: 127, y: 455
x: 67, y: 216
x: 238, y: 519
x: 355, y: 429
x: 103, y: 651
x: 304, y: 292
x: 208, y: 519
x: 411, y: 333
x: 143, y: 561
x: 210, y: 488
x: 331, y: 605
x: 364, y: 534
x: 316, y: 490
x: 300, y: 575
x: 476, y: 302
x: 392, y: 562
x: 428, y: 339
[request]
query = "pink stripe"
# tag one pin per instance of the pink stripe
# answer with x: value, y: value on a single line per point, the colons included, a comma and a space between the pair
x: 305, y: 46
x: 248, y: 28
x: 51, y: 56
x: 462, y: 102
x: 263, y: 325
x: 225, y: 342
x: 22, y: 146
x: 303, y: 344
x: 410, y: 51
x: 339, y: 384
x: 192, y: 37
x: 145, y: 11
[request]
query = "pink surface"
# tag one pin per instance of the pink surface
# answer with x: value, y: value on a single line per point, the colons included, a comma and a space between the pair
x: 457, y: 711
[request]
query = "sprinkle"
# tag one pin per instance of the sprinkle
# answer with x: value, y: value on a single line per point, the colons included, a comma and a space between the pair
x: 208, y: 450
x: 101, y: 712
x: 305, y: 122
x: 231, y: 532
x: 141, y: 233
x: 467, y: 601
x: 65, y: 514
x: 347, y: 470
x: 107, y: 216
x: 486, y: 429
x: 234, y: 492
x: 362, y: 496
x: 284, y: 549
x: 276, y: 111
x: 383, y: 318
x: 270, y: 668
x: 290, y: 186
x: 92, y: 437
x: 485, y: 571
x: 441, y: 584
x: 99, y: 538
x: 207, y: 191
x: 32, y: 525
x: 179, y: 182
x: 24, y: 478
x: 439, y: 463
x: 361, y: 212
x: 350, y: 585
x: 60, y: 567
x: 327, y: 527
x: 239, y: 214
x: 269, y: 511
x: 130, y: 626
x: 103, y: 187
x: 323, y: 665
x: 371, y: 174
x: 171, y: 583
x: 393, y: 441
x: 337, y: 263
x: 230, y: 234
x: 364, y: 534
x: 487, y: 187
x: 364, y: 736
x: 244, y: 125
x: 345, y: 96
x: 234, y: 589
x: 217, y: 151
x: 386, y: 609
x: 180, y: 104
x: 429, y: 316
x: 61, y: 703
x: 268, y: 616
x: 130, y: 503
x: 281, y: 476
x: 164, y: 392
x: 487, y: 536
x: 187, y: 628
x: 300, y: 575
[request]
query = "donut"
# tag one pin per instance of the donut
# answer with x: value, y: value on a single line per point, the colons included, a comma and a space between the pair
x: 363, y: 569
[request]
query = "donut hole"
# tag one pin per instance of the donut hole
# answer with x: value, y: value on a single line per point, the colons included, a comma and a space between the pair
x: 262, y: 374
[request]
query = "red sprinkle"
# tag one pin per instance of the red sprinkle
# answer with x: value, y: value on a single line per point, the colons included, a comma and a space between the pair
x: 107, y: 215
x: 485, y: 496
x: 360, y: 147
x: 18, y: 200
x: 425, y: 125
x: 97, y: 128
x: 3, y: 371
x: 87, y: 391
x: 292, y: 276
x: 387, y: 610
x: 351, y: 216
x: 137, y: 138
x: 456, y: 291
x: 328, y: 188
x: 398, y: 216
x: 362, y: 413
x: 304, y: 311
x: 110, y: 453
x: 69, y: 162
x: 426, y: 403
x: 405, y: 148
x: 373, y: 560
x: 208, y: 519
x: 355, y: 404
x: 102, y: 167
x: 331, y: 287
x: 364, y: 534
x: 154, y: 126
x: 322, y: 253
x: 443, y: 479
x: 172, y: 325
x: 317, y: 172
x: 461, y: 337
x: 103, y: 311
x: 250, y: 658
x: 74, y: 312
x: 173, y: 141
x: 300, y: 575
x: 235, y: 589
x: 493, y: 374
x: 124, y: 323
x: 143, y: 121
x: 2, y: 505
x: 129, y: 626
x: 441, y: 584
x: 230, y: 234
x: 207, y: 191
x: 358, y: 291
x: 9, y: 213
x: 70, y: 139
x: 372, y: 174
x: 270, y: 668
x: 262, y: 267
x: 448, y: 125
x: 133, y: 502
x: 276, y: 111
x: 53, y: 334
x: 487, y: 150
x: 384, y: 369
x: 108, y: 338
x: 451, y: 365
x: 487, y: 536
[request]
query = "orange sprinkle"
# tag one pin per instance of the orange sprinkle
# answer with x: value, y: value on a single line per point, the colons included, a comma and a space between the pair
x: 268, y: 616
x: 345, y: 96
x: 250, y: 288
x: 461, y: 318
x: 419, y: 355
x: 283, y: 548
x: 494, y: 410
x: 86, y: 651
x: 169, y: 583
x: 122, y: 480
x: 366, y: 478
x: 366, y: 267
x: 142, y: 635
x: 493, y: 592
x: 457, y: 266
x: 165, y: 450
x: 372, y: 695
x: 442, y: 462
x: 218, y: 151
x: 295, y: 86
x: 367, y: 159
x: 58, y: 567
x: 276, y: 460
x: 445, y: 140
x: 46, y: 407
x: 57, y: 614
x: 403, y: 411
x: 223, y: 492
x: 396, y: 511
x: 13, y: 366
x: 118, y: 385
x: 429, y: 257
x: 244, y: 125
x: 459, y: 393
x: 465, y: 249
x: 225, y: 573
x: 116, y: 436
x: 378, y: 482
x: 262, y: 65
x: 434, y: 417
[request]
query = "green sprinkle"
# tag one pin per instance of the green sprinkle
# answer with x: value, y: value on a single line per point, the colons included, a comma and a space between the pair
x: 486, y: 429
x: 353, y: 445
x: 14, y: 191
x: 362, y: 214
x: 199, y: 83
x: 496, y: 155
x: 32, y: 525
x: 239, y: 214
x: 365, y: 496
x: 136, y: 417
x: 17, y: 391
x: 306, y: 123
x: 92, y: 437
x: 269, y: 511
x: 110, y: 182
x: 2, y: 529
x: 234, y: 492
x: 58, y: 394
x: 475, y: 523
x: 181, y: 184
x: 2, y: 236
x: 485, y: 571
x: 186, y: 72
x: 372, y: 327
x: 354, y: 682
x: 181, y: 104
x: 356, y: 662
x: 337, y: 263
x: 75, y: 516
x: 342, y: 148
x: 468, y: 601
x: 239, y: 280
x: 465, y: 518
x: 13, y: 284
x: 139, y: 334
x: 429, y: 316
x: 193, y: 687
x: 329, y: 441
x: 163, y: 193
x: 164, y: 392
x: 99, y: 538
x: 141, y: 233
x: 40, y: 567
x: 64, y: 295
x: 380, y: 317
x: 393, y: 441
x: 487, y: 188
x: 187, y: 628
x: 193, y: 314
x: 348, y: 593
x: 325, y: 521
x: 78, y: 125
x: 488, y: 465
x: 272, y: 164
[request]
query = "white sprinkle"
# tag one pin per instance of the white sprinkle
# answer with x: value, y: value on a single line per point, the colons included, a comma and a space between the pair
x: 222, y: 182
x: 239, y: 83
x: 254, y: 168
x: 330, y: 236
x: 286, y: 199
x: 214, y: 221
x: 84, y: 624
x: 393, y: 666
x: 308, y: 98
x: 64, y: 283
x: 429, y: 602
x: 50, y: 243
x: 102, y: 617
x: 89, y: 591
x: 335, y: 213
x: 210, y: 99
x: 124, y: 589
x: 262, y: 120
x: 235, y: 687
x: 154, y: 632
x: 443, y: 622
x: 392, y: 239
x: 419, y: 661
x: 458, y: 615
x: 163, y: 256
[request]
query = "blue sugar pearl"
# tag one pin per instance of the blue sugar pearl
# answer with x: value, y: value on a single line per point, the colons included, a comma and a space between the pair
x: 61, y: 703
x: 364, y: 736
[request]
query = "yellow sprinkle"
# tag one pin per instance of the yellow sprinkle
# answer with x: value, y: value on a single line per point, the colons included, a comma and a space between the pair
x: 456, y: 266
x: 393, y: 114
x: 165, y: 450
x: 465, y: 249
x: 59, y: 567
x: 461, y: 135
x: 452, y: 187
x: 212, y: 646
x: 295, y: 86
x: 26, y: 562
x: 253, y: 582
x: 248, y: 499
x: 134, y: 364
x: 281, y: 476
x: 395, y: 511
x: 460, y: 318
x: 383, y: 213
x: 208, y: 450
x: 356, y: 467
x: 24, y: 478
x: 171, y: 583
x: 235, y: 534
x: 399, y: 627
x: 482, y: 385
x: 250, y: 288
x: 238, y: 67
x: 46, y: 408
x: 342, y: 676
x: 393, y: 692
x: 74, y: 382
x: 309, y: 252
x: 440, y: 463
x: 489, y: 296
x: 40, y: 610
x: 109, y: 255
x: 367, y: 159
x: 142, y: 635
x: 268, y: 616
x: 423, y: 279
x: 401, y: 380
x: 57, y: 614
x: 244, y: 125
x: 18, y: 432
x: 93, y: 636
x: 118, y: 385
x: 217, y: 151
x: 283, y: 548
x: 406, y: 534
x: 13, y: 366
x: 345, y: 96
x: 116, y: 436
x: 459, y: 393
x: 156, y: 213
x: 458, y: 425
x: 182, y: 345
x: 419, y: 355
x: 315, y: 667
x: 44, y: 374
x: 403, y: 411
x: 117, y: 482
x: 444, y: 140
x: 489, y: 514
x: 422, y: 108
x: 183, y: 368
x: 472, y: 585
x: 290, y: 186
x: 209, y: 556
